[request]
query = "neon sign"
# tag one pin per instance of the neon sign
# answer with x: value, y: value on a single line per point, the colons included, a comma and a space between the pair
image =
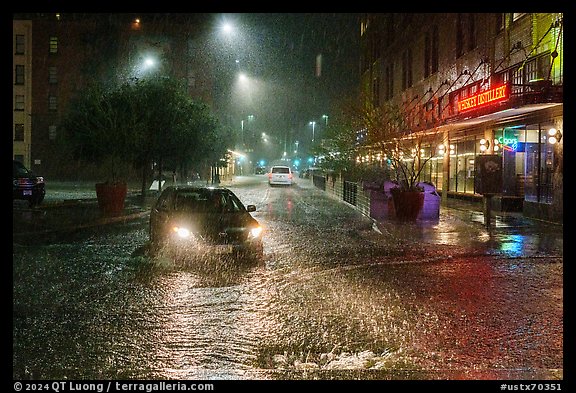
x: 510, y: 144
x: 484, y: 98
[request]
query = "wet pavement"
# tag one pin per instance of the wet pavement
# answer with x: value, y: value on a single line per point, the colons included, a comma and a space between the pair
x: 339, y: 296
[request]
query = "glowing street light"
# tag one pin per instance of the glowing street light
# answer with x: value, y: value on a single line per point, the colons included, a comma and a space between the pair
x: 227, y: 28
x: 325, y: 117
x: 313, y: 124
x: 149, y: 62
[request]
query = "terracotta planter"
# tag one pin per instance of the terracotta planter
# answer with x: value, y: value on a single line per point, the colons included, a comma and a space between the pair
x: 407, y: 204
x: 111, y: 197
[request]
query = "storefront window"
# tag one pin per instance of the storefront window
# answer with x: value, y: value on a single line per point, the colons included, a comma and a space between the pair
x: 432, y: 171
x: 512, y: 152
x: 462, y: 167
x: 538, y: 186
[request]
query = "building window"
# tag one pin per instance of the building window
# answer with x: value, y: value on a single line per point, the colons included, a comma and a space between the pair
x: 19, y: 102
x: 389, y: 83
x: 52, y: 132
x: 19, y: 132
x: 406, y: 69
x: 19, y: 75
x: 52, y: 75
x: 376, y: 47
x: 459, y: 36
x: 52, y: 103
x: 540, y: 165
x: 435, y: 41
x: 517, y: 81
x: 376, y: 91
x: 53, y: 44
x: 389, y: 29
x: 500, y: 22
x: 465, y: 33
x: 472, y: 40
x: 461, y: 177
x: 19, y: 44
x: 431, y: 52
x: 19, y: 158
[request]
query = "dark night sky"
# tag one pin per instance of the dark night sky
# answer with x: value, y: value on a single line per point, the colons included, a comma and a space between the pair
x: 280, y: 51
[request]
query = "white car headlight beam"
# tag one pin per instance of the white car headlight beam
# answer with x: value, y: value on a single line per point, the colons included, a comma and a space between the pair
x: 256, y: 232
x: 182, y: 232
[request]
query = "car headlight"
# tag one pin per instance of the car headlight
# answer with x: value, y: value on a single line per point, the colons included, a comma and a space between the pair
x: 255, y: 232
x: 182, y: 232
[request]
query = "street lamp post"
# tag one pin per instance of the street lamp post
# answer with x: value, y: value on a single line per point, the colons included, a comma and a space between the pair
x: 313, y: 124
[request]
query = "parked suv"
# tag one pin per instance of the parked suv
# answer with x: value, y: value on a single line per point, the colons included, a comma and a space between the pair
x: 281, y: 175
x: 26, y: 185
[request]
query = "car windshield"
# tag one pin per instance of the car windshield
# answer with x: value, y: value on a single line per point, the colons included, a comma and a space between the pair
x: 280, y: 170
x: 198, y: 201
x: 20, y: 170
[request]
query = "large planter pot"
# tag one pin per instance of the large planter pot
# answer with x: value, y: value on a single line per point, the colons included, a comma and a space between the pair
x: 407, y: 204
x: 111, y: 197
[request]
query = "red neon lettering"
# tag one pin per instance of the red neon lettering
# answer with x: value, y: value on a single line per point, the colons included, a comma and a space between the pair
x: 481, y: 99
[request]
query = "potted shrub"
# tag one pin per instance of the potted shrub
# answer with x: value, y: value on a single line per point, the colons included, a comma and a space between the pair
x: 98, y: 129
x: 389, y: 142
x: 111, y: 194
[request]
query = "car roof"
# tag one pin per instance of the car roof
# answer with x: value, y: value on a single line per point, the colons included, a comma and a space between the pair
x: 199, y: 188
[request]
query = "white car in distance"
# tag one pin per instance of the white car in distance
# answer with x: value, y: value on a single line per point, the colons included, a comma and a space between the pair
x: 280, y: 175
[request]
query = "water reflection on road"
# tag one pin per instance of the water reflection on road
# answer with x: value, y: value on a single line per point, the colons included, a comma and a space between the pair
x: 334, y: 299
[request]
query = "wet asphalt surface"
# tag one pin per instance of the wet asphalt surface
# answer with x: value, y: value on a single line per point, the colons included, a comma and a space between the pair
x: 336, y: 297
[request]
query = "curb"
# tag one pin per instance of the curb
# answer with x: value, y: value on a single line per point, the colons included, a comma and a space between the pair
x: 99, y: 222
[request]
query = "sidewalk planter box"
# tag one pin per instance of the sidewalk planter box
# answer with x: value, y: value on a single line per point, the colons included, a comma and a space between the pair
x: 407, y: 204
x: 431, y: 207
x: 111, y: 198
x: 381, y: 202
x: 381, y: 205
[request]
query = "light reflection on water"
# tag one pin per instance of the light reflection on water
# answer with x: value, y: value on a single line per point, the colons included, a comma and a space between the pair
x: 198, y: 328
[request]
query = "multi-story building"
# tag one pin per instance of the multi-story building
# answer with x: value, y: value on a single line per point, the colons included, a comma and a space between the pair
x: 489, y: 84
x: 56, y: 56
x: 22, y: 91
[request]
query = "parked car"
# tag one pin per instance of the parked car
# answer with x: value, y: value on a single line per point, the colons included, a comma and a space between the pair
x: 280, y: 175
x: 26, y: 185
x: 260, y: 170
x: 201, y: 221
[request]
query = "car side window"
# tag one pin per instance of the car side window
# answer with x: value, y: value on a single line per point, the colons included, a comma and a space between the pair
x: 234, y: 204
x: 217, y: 203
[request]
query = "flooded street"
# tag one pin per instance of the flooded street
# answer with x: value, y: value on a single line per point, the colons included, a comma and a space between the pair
x: 334, y: 299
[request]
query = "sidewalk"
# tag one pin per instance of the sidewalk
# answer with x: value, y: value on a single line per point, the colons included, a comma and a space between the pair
x: 69, y: 206
x: 461, y: 224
